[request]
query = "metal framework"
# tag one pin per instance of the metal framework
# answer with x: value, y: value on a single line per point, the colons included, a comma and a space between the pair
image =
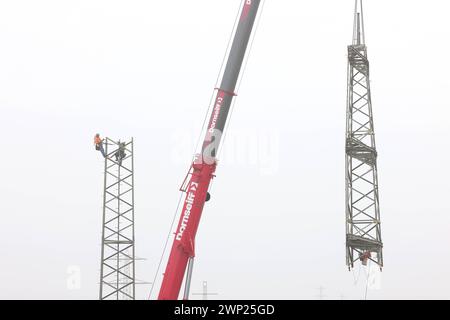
x: 363, y: 230
x: 117, y: 272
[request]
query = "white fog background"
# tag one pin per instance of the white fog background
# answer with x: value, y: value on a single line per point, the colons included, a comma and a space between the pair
x: 275, y: 227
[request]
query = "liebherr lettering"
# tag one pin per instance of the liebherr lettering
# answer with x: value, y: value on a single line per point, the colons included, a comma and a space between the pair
x: 187, y: 212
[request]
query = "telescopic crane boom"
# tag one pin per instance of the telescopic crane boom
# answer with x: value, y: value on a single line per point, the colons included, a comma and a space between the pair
x: 203, y: 167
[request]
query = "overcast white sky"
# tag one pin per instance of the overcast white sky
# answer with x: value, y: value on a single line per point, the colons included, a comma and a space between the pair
x: 275, y: 226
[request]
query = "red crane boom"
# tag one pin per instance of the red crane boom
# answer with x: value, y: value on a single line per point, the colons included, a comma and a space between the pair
x: 203, y: 168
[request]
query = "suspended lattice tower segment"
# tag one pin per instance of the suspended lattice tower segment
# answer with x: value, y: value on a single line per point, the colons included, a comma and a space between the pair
x: 363, y: 228
x: 117, y: 273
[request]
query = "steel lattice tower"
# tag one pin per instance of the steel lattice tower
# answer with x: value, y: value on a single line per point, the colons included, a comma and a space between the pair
x: 117, y: 273
x: 363, y: 230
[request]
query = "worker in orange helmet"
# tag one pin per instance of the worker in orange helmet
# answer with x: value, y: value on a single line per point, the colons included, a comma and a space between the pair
x: 99, y: 144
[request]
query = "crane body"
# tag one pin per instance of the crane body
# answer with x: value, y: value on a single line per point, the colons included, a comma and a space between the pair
x: 202, y: 170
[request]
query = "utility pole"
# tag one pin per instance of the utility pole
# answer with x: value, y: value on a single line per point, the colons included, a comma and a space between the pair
x: 363, y: 226
x: 205, y: 292
x: 117, y: 271
x: 321, y: 293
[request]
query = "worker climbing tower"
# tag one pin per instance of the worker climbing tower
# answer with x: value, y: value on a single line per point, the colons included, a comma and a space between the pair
x: 363, y: 238
x: 117, y: 272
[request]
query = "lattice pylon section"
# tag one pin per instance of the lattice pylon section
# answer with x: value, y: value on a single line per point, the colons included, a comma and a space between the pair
x: 117, y: 275
x: 363, y: 226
